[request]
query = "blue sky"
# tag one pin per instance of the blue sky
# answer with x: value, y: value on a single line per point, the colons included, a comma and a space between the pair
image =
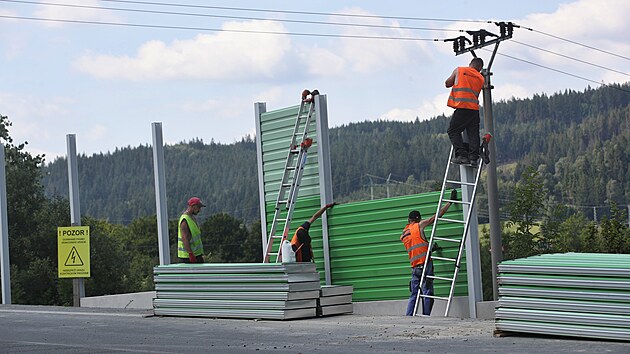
x: 106, y: 84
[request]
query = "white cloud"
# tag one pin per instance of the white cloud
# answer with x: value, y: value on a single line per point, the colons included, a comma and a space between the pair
x: 30, y: 106
x: 222, y: 56
x: 373, y: 55
x: 75, y: 12
x: 322, y: 62
x: 427, y: 109
x: 97, y: 133
x: 594, y: 23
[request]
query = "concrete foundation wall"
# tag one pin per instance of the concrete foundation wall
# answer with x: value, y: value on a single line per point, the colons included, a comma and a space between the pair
x: 142, y: 300
x: 459, y: 305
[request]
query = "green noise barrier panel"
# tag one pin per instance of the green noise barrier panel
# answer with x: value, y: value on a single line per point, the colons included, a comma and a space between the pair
x: 365, y: 247
x: 570, y: 294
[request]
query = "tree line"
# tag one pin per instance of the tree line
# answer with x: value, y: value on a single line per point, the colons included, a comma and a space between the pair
x: 550, y: 158
x: 578, y: 141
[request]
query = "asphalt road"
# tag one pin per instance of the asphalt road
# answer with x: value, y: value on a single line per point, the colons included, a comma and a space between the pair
x: 44, y: 329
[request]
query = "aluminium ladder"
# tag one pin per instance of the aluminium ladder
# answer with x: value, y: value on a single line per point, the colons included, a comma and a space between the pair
x: 456, y: 261
x: 293, y: 171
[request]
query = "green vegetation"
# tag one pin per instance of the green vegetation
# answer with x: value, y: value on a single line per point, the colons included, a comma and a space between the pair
x: 554, y: 153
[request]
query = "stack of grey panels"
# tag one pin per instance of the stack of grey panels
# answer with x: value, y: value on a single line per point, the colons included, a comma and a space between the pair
x: 334, y: 300
x: 237, y: 290
x: 571, y: 294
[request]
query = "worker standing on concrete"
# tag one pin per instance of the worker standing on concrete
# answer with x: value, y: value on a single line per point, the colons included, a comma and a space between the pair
x: 466, y: 84
x: 301, y: 241
x: 189, y: 246
x: 417, y: 245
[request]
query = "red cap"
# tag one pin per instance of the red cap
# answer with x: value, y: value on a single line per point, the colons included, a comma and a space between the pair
x: 195, y: 201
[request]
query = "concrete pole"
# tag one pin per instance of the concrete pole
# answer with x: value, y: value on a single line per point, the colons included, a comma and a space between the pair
x: 5, y: 266
x: 473, y: 260
x: 496, y: 246
x: 160, y: 193
x: 325, y: 175
x: 78, y: 288
x: 259, y: 109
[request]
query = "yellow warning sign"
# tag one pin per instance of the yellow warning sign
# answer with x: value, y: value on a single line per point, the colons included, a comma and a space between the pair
x: 73, y: 252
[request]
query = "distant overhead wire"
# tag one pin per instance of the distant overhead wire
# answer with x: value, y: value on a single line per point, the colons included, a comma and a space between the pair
x: 216, y: 29
x: 562, y: 72
x: 295, y: 12
x: 577, y: 43
x: 327, y: 23
x: 329, y: 35
x: 569, y: 57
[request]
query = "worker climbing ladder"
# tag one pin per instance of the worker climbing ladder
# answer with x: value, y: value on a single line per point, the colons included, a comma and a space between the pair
x: 293, y: 171
x: 467, y: 218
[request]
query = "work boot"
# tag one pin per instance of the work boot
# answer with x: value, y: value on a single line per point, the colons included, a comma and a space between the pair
x: 460, y: 160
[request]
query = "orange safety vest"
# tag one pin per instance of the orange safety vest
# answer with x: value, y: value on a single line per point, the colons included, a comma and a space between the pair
x: 416, y: 244
x: 465, y: 92
x: 297, y: 246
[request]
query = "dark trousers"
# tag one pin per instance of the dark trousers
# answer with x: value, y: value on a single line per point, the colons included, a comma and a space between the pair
x: 426, y: 288
x: 186, y: 260
x: 465, y: 120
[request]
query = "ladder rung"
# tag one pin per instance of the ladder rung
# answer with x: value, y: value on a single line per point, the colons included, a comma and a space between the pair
x: 434, y: 297
x: 440, y: 278
x: 281, y: 220
x: 294, y: 151
x: 452, y: 220
x: 446, y: 239
x: 276, y: 236
x: 290, y: 168
x: 460, y: 182
x: 455, y: 201
x: 287, y: 184
x: 283, y: 201
x: 444, y: 259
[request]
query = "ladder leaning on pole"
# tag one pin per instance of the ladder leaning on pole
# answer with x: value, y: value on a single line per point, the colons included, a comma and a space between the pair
x: 293, y: 171
x: 457, y: 260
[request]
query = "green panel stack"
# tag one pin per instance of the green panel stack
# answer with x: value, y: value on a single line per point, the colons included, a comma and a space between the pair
x: 276, y: 128
x: 570, y: 294
x: 237, y: 290
x: 366, y: 251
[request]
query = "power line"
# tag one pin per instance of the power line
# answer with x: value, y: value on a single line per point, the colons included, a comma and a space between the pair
x: 295, y: 12
x: 215, y: 29
x: 293, y: 34
x: 234, y: 17
x: 562, y: 72
x: 577, y: 43
x: 569, y: 57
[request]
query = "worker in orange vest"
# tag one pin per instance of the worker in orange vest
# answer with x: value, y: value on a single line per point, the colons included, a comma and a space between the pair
x: 466, y: 84
x: 417, y: 245
x: 301, y: 241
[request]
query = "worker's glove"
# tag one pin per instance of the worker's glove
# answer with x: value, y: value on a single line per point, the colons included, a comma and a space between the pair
x: 192, y: 258
x: 435, y: 247
x: 330, y: 205
x: 454, y: 194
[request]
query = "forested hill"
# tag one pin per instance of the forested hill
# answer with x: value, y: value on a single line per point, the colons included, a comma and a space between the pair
x: 578, y: 141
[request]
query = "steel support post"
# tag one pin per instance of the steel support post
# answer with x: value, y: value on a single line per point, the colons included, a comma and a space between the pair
x: 160, y: 193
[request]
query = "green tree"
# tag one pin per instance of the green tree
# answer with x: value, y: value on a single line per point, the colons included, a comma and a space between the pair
x: 226, y: 239
x: 525, y: 207
x: 614, y: 232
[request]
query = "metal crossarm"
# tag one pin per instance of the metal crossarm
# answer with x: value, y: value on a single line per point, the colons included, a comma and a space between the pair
x: 293, y: 172
x: 461, y: 242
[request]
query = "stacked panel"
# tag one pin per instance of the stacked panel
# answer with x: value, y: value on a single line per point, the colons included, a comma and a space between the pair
x: 334, y: 300
x: 237, y: 290
x: 571, y: 294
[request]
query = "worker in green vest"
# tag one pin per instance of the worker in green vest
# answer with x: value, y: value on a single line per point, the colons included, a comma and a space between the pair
x: 189, y: 246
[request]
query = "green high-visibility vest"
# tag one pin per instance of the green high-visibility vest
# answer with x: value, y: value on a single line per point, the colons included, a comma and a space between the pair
x: 195, y: 240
